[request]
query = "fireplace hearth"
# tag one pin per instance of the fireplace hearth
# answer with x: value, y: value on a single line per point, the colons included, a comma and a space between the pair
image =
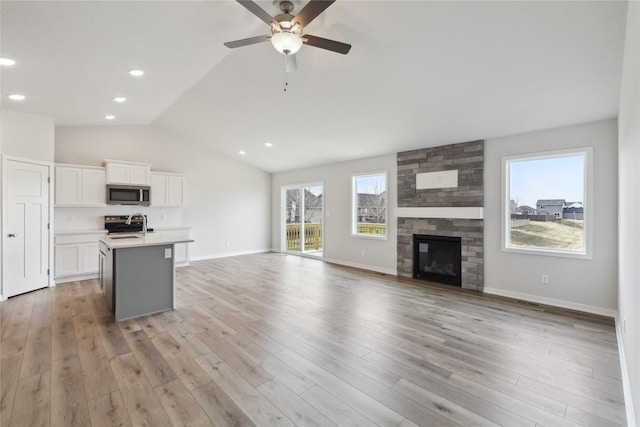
x: 437, y: 259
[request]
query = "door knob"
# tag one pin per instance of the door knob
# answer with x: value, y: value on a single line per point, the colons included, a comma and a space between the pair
x: 12, y: 235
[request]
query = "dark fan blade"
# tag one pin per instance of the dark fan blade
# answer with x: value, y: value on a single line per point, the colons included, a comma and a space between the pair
x: 327, y: 44
x: 290, y: 64
x: 247, y: 42
x: 311, y: 11
x: 258, y: 11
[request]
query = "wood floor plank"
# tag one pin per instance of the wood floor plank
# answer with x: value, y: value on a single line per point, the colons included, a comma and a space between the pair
x: 109, y: 411
x: 334, y: 409
x: 257, y: 408
x: 294, y: 407
x: 357, y: 399
x: 180, y: 405
x: 142, y: 403
x: 32, y: 404
x: 10, y: 370
x: 69, y: 400
x: 220, y: 407
x: 151, y: 361
x: 96, y: 372
x: 187, y: 369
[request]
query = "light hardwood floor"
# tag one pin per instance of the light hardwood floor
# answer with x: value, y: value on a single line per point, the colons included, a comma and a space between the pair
x: 276, y: 340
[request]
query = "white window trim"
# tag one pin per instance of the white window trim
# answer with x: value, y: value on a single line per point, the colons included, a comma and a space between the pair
x: 587, y: 203
x: 354, y: 206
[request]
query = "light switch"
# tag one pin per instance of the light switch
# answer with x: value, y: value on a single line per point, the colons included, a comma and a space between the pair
x: 167, y: 253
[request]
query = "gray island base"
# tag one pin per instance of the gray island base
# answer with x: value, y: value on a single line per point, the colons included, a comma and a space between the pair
x: 137, y: 274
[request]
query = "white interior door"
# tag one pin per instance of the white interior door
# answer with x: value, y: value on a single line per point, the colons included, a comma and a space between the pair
x: 25, y: 237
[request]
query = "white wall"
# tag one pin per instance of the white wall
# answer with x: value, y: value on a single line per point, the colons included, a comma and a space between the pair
x: 339, y: 245
x: 588, y: 285
x: 629, y: 207
x: 227, y: 201
x: 27, y: 135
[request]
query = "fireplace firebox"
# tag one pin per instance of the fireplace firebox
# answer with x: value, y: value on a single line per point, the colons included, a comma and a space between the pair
x: 437, y: 259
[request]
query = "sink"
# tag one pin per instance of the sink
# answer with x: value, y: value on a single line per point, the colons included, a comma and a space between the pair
x: 123, y: 237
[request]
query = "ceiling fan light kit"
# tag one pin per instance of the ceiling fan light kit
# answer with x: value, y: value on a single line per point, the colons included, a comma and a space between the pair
x: 286, y: 43
x: 288, y: 30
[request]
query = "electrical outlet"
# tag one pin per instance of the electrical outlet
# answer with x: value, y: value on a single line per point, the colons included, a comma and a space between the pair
x: 363, y: 253
x: 227, y: 244
x: 544, y: 279
x: 167, y: 253
x: 624, y: 325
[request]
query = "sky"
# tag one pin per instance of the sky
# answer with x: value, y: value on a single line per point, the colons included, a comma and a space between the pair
x: 371, y: 184
x: 556, y: 178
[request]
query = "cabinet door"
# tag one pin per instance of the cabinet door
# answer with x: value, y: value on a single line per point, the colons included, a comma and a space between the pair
x: 139, y: 175
x: 159, y: 188
x: 117, y: 173
x: 68, y: 260
x: 94, y: 187
x: 176, y: 190
x: 90, y: 258
x: 68, y: 189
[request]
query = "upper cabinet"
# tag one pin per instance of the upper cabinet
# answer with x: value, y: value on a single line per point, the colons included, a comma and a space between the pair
x: 121, y: 172
x: 167, y: 189
x: 80, y: 186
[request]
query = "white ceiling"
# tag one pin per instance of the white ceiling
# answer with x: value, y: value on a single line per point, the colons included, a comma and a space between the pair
x: 419, y: 74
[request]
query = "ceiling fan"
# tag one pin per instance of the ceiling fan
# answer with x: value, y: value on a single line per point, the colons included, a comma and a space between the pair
x: 287, y: 30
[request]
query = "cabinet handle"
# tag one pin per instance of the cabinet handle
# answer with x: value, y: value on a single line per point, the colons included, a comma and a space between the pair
x: 13, y: 235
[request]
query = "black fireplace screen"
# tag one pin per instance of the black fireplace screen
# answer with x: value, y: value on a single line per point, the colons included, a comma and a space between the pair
x: 437, y: 259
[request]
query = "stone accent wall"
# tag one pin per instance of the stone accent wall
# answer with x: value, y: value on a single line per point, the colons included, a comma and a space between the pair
x: 471, y: 235
x: 468, y: 159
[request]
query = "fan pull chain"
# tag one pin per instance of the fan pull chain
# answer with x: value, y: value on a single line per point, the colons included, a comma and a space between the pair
x: 286, y: 83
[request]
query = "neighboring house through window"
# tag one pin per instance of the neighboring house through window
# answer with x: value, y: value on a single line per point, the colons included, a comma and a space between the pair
x: 547, y: 181
x: 369, y: 196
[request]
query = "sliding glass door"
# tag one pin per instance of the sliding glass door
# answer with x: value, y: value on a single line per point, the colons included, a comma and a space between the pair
x: 303, y: 219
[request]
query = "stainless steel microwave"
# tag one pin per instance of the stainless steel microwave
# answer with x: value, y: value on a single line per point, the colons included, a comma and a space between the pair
x: 128, y: 195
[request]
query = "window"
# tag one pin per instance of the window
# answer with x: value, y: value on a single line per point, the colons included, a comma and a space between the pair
x: 369, y: 218
x: 547, y: 203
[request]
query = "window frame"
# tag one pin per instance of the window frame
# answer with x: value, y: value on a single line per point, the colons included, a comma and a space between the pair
x: 587, y: 203
x: 354, y: 206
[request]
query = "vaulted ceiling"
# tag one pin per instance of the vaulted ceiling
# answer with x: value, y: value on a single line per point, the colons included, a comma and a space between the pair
x: 419, y: 74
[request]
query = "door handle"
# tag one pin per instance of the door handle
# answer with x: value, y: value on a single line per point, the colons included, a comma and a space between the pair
x: 13, y: 235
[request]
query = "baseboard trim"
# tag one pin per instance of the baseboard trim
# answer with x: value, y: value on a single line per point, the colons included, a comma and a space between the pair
x: 626, y: 386
x: 228, y: 254
x: 60, y: 280
x: 361, y: 266
x: 552, y: 301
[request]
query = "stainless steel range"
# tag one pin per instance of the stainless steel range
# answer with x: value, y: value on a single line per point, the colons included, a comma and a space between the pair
x: 118, y: 224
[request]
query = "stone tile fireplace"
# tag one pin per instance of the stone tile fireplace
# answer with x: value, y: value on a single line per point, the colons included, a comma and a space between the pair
x: 441, y: 194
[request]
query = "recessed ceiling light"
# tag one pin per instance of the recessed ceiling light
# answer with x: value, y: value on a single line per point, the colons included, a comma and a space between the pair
x: 120, y: 99
x: 268, y: 144
x: 109, y: 117
x: 136, y: 73
x: 16, y: 97
x: 7, y: 61
x: 242, y: 153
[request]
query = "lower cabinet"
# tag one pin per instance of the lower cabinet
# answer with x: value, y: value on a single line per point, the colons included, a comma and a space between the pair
x: 76, y: 255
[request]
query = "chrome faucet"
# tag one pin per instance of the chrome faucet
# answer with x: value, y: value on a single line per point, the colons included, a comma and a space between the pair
x: 144, y: 222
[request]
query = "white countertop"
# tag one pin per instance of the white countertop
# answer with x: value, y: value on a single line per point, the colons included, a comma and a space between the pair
x: 137, y: 240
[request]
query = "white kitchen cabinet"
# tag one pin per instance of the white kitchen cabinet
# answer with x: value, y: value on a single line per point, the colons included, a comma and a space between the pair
x: 76, y: 256
x: 167, y: 189
x: 80, y: 186
x: 128, y: 173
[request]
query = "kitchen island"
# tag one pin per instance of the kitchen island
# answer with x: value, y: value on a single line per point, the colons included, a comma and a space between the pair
x: 137, y: 273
